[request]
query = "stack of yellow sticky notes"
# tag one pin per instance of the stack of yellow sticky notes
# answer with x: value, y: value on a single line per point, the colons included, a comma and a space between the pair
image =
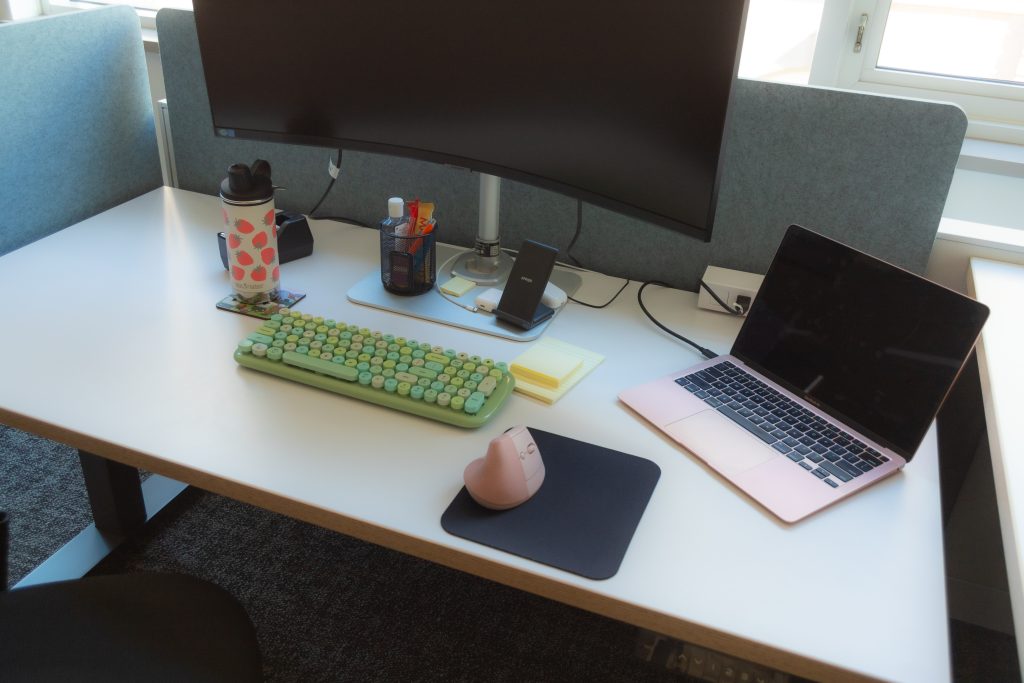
x: 550, y: 368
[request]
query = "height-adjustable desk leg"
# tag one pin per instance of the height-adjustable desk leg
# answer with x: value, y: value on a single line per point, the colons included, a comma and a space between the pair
x: 115, y: 494
x: 121, y: 506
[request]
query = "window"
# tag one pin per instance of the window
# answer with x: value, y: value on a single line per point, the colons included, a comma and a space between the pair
x: 970, y: 52
x: 146, y: 8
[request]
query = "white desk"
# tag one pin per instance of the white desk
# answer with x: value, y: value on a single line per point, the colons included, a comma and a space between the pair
x: 129, y: 359
x: 1000, y: 286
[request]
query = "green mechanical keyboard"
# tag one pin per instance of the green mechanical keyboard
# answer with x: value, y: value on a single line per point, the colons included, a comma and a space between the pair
x: 404, y: 374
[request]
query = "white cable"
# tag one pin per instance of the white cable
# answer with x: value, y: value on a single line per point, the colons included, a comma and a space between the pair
x: 469, y: 307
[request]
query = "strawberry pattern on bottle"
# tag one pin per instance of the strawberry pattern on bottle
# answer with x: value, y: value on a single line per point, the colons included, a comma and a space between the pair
x: 247, y: 210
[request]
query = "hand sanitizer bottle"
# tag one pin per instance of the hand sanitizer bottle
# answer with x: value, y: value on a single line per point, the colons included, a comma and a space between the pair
x: 397, y: 223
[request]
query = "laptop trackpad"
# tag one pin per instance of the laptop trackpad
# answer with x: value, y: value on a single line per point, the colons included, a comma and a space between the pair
x: 720, y: 442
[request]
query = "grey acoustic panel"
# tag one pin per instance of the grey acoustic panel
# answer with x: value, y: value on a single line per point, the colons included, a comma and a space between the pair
x: 76, y: 121
x: 872, y: 171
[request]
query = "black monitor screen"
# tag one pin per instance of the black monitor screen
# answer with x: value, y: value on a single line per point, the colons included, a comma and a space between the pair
x: 620, y: 103
x: 867, y: 342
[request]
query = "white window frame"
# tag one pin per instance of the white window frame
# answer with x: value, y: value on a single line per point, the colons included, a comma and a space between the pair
x: 147, y: 17
x: 995, y: 111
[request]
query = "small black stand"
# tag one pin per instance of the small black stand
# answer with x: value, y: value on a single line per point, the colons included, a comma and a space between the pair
x: 581, y: 519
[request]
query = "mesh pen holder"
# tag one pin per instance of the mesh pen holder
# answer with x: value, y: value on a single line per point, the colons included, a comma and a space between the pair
x: 408, y: 263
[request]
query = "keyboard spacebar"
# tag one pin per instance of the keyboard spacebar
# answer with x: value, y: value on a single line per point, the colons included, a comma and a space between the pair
x: 746, y: 424
x: 324, y: 367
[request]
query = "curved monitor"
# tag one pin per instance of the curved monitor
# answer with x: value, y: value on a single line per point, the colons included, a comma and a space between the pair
x: 620, y: 103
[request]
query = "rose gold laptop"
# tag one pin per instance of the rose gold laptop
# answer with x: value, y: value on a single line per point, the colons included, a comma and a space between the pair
x: 837, y: 373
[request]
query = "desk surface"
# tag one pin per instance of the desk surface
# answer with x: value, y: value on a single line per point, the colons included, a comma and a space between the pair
x: 115, y: 347
x: 1000, y: 286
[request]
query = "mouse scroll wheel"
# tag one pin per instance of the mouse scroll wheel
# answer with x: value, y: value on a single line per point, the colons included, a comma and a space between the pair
x: 531, y: 447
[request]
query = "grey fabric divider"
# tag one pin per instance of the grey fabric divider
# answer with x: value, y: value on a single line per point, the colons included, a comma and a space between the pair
x: 76, y: 121
x: 869, y: 170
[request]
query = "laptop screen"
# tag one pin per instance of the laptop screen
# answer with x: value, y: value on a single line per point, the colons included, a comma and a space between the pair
x: 869, y: 343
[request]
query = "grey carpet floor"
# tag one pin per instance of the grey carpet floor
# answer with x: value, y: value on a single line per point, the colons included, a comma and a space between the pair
x: 328, y: 607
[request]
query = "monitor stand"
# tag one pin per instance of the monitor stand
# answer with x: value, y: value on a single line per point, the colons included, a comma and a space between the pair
x: 485, y: 265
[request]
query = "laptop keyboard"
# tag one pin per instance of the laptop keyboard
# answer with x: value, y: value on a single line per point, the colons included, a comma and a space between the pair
x: 826, y: 451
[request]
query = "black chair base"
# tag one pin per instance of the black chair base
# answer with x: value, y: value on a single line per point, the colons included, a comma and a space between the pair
x: 137, y: 627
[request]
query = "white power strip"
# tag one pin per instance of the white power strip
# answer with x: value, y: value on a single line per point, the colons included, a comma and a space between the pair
x: 734, y: 287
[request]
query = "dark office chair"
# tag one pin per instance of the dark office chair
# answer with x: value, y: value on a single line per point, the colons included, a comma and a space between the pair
x: 132, y: 627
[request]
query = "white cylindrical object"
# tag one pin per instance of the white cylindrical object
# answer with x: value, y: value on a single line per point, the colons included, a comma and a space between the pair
x: 253, y: 261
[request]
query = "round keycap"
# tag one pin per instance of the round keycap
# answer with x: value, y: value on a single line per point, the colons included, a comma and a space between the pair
x: 416, y: 393
x: 430, y: 396
x: 390, y: 385
x: 444, y: 398
x: 364, y: 378
x: 259, y: 349
x: 404, y: 388
x: 290, y: 346
x: 377, y: 382
x: 302, y: 350
x: 326, y: 356
x: 245, y: 346
x: 457, y: 402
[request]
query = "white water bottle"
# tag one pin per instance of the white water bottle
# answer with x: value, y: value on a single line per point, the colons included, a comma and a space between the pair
x: 247, y: 207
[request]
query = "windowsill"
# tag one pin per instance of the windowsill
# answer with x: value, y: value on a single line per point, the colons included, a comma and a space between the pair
x: 992, y: 157
x: 981, y: 234
x: 149, y: 40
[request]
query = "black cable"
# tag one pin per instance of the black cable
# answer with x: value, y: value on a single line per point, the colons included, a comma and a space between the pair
x: 707, y: 353
x: 607, y: 303
x: 329, y: 186
x: 579, y: 229
x: 721, y: 303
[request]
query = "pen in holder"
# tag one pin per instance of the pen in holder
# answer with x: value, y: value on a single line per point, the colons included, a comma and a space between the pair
x: 408, y: 263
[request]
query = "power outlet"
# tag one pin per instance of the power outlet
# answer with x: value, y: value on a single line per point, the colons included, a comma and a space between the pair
x: 734, y: 287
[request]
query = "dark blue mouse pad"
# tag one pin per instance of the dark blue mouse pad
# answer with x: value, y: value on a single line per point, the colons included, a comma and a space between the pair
x: 581, y: 519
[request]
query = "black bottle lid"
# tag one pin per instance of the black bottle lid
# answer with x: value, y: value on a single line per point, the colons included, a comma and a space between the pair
x: 243, y: 184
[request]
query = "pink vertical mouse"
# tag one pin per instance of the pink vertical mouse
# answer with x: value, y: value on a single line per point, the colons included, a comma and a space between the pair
x: 509, y: 474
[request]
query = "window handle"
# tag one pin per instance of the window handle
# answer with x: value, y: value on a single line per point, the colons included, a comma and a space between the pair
x: 859, y: 42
